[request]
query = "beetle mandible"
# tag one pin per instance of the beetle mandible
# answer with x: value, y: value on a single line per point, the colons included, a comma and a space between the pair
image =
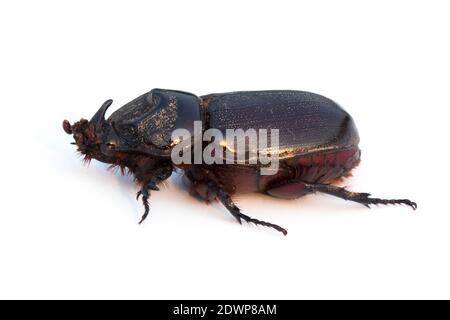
x: 318, y: 144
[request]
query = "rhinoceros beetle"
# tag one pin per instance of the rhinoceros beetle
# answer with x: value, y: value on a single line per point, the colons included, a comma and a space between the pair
x: 317, y: 144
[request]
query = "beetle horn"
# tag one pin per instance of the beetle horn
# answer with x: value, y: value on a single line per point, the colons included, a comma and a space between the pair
x: 99, y: 118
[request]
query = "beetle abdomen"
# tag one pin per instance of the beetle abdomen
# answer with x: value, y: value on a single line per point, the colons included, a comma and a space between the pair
x: 319, y: 168
x: 325, y: 167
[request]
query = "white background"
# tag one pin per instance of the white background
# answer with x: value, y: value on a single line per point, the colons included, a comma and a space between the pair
x: 70, y: 231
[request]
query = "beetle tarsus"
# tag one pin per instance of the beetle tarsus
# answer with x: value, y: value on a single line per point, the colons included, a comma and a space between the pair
x: 226, y: 200
x: 145, y: 192
x: 147, y: 210
x: 145, y: 195
x: 363, y: 198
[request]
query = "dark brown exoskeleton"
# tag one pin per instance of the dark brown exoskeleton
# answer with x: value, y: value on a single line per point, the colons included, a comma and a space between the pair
x: 318, y: 144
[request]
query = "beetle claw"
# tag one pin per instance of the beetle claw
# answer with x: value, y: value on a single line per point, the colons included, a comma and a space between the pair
x: 147, y: 210
x: 238, y: 218
x: 410, y: 203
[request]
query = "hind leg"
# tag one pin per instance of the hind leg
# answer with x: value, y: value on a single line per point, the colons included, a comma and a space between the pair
x: 295, y: 189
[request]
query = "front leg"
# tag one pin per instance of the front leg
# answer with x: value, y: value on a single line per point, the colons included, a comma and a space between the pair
x: 159, y: 175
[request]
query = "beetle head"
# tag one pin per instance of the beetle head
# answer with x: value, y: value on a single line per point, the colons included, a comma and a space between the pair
x: 94, y: 138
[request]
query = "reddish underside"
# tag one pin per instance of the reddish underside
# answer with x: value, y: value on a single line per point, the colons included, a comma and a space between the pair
x: 324, y: 167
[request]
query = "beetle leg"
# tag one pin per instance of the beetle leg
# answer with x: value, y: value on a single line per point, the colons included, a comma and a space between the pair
x: 290, y: 189
x: 145, y: 193
x: 161, y: 175
x: 226, y: 200
x: 363, y: 198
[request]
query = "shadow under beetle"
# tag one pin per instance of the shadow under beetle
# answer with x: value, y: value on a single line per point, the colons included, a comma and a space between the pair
x: 318, y: 144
